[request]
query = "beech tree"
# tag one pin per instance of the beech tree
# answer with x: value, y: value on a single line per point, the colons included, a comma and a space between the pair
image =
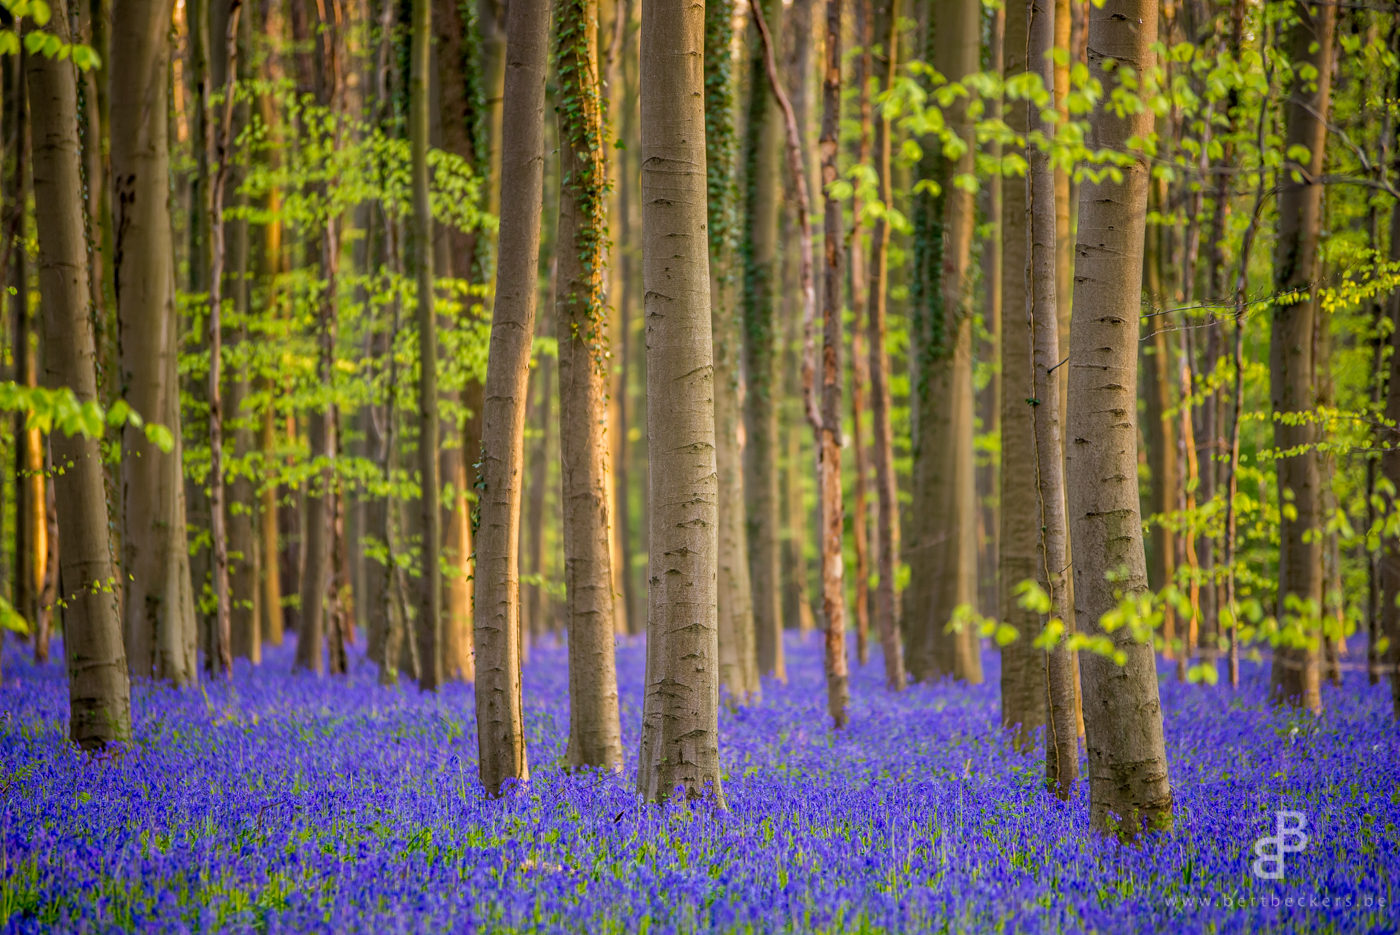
x: 499, y: 707
x: 160, y: 621
x: 1128, y: 787
x: 738, y: 656
x: 99, y: 693
x: 595, y: 733
x: 680, y: 719
x: 1295, y: 676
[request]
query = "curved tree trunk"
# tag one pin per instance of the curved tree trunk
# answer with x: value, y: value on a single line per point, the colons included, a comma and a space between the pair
x: 499, y: 707
x: 680, y: 719
x: 160, y: 620
x: 1128, y: 787
x: 99, y: 693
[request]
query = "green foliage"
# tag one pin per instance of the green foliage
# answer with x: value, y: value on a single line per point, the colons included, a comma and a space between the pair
x: 37, y: 41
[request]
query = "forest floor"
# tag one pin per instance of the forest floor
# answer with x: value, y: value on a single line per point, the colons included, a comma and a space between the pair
x: 279, y: 802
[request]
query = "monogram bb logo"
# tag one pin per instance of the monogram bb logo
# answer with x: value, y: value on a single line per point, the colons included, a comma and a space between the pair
x: 1289, y: 838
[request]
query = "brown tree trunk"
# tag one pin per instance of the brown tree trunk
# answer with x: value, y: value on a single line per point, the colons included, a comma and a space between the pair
x: 595, y: 734
x: 499, y: 706
x: 860, y: 360
x: 887, y: 500
x: 1295, y: 674
x: 943, y: 554
x: 833, y: 514
x: 1023, y: 693
x: 160, y: 619
x: 429, y: 517
x: 762, y: 206
x: 680, y: 719
x: 1128, y: 788
x: 1061, y: 733
x: 98, y: 689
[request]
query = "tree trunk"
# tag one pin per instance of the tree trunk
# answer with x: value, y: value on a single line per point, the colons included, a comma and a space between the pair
x: 99, y: 693
x: 1128, y: 788
x: 160, y: 619
x: 1023, y: 693
x: 762, y: 204
x: 887, y: 505
x: 499, y: 706
x: 595, y: 734
x: 1061, y: 734
x: 1295, y: 675
x: 680, y: 720
x: 943, y: 554
x: 318, y: 75
x: 429, y: 518
x: 864, y: 35
x: 738, y: 660
x: 833, y: 514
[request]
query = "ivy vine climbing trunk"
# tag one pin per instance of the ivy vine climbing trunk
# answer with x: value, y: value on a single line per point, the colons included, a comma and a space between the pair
x: 943, y: 554
x: 99, y: 692
x: 1295, y: 677
x: 680, y: 717
x: 595, y: 733
x: 499, y: 706
x: 1128, y: 787
x: 159, y: 603
x: 738, y: 659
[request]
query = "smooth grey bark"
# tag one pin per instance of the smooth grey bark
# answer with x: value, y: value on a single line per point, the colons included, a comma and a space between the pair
x: 159, y: 603
x: 499, y: 706
x: 99, y: 692
x: 680, y: 720
x: 1129, y: 791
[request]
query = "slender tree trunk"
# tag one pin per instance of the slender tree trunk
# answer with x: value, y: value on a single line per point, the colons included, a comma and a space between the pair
x: 318, y: 74
x: 429, y: 618
x: 220, y: 142
x: 833, y: 514
x: 1128, y: 787
x: 1389, y: 571
x: 887, y: 501
x: 762, y: 204
x: 244, y: 559
x: 99, y: 693
x: 1161, y: 439
x: 860, y: 360
x: 1295, y: 675
x: 988, y: 482
x: 31, y: 526
x: 595, y: 733
x: 499, y: 706
x: 680, y: 720
x: 1062, y: 733
x: 160, y: 619
x: 738, y: 660
x: 270, y: 622
x: 1023, y: 695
